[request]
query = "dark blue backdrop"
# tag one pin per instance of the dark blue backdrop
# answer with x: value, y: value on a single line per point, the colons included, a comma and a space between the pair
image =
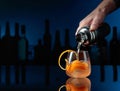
x: 62, y: 14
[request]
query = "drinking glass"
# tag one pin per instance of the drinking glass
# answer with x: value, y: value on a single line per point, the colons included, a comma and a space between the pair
x: 77, y: 63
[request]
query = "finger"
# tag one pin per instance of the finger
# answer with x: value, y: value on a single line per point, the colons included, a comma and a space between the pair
x: 97, y: 21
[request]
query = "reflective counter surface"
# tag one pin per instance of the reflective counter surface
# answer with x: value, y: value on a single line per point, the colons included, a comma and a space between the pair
x: 79, y: 84
x: 38, y: 78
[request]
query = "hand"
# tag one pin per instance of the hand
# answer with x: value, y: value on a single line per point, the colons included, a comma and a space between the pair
x: 93, y: 20
x: 96, y: 17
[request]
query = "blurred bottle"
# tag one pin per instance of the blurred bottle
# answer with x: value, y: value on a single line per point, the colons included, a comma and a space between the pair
x: 23, y: 45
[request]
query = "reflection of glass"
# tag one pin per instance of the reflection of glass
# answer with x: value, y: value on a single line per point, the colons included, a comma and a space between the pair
x: 77, y: 64
x: 76, y: 84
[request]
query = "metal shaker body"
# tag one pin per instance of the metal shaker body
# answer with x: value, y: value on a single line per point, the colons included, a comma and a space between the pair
x: 85, y: 35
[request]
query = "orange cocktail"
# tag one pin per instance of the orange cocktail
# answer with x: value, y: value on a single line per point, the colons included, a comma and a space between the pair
x: 78, y: 69
x: 77, y: 64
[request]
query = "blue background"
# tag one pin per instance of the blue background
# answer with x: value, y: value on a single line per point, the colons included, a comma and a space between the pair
x: 62, y: 14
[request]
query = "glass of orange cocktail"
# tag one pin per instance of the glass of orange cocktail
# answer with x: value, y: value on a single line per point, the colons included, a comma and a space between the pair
x: 77, y: 63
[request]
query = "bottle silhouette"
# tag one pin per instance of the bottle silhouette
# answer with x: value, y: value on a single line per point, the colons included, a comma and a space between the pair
x: 7, y: 52
x: 102, y: 57
x: 6, y: 45
x: 47, y: 50
x: 114, y: 48
x: 16, y: 61
x: 23, y: 45
x: 23, y: 52
x: 57, y: 49
x: 16, y: 39
x: 114, y: 52
x: 0, y: 55
x: 38, y: 54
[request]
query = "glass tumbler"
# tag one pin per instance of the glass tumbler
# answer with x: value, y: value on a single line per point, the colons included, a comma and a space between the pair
x: 77, y: 63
